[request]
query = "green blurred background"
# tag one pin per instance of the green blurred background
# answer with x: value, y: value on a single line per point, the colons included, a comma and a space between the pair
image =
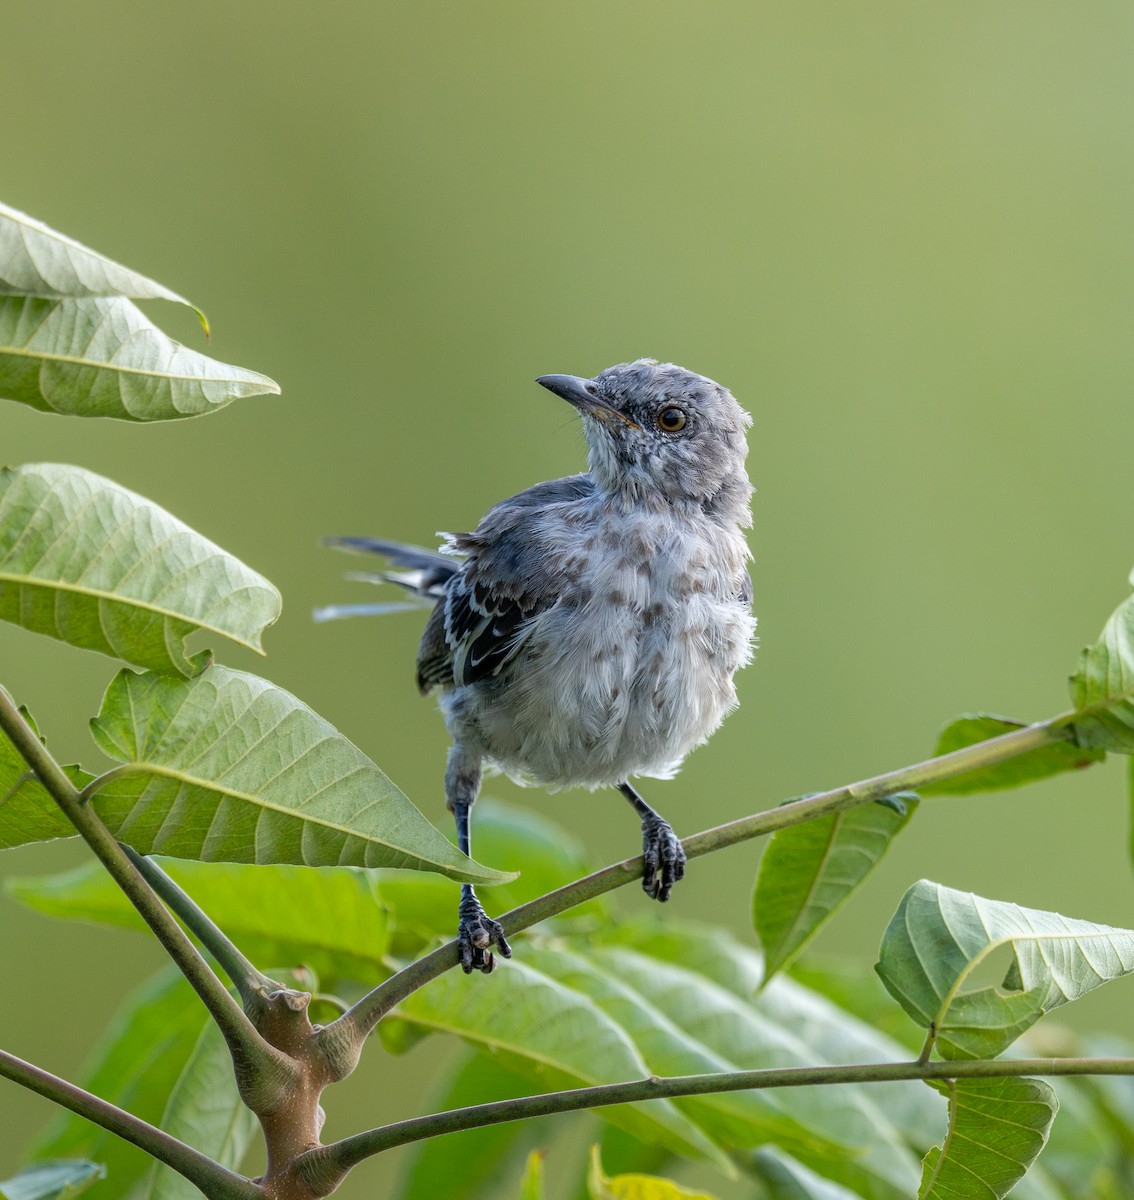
x: 900, y: 233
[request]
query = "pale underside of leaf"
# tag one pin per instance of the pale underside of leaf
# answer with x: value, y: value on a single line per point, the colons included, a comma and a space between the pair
x: 93, y: 564
x: 60, y: 1179
x: 104, y: 358
x: 229, y: 768
x: 36, y: 260
x: 939, y: 937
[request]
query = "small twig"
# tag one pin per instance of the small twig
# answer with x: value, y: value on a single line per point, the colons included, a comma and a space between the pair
x: 263, y: 1072
x: 341, y: 1041
x: 323, y: 1169
x: 215, y: 1181
x: 249, y: 981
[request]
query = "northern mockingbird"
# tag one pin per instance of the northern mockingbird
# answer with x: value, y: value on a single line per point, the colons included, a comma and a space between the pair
x: 589, y: 629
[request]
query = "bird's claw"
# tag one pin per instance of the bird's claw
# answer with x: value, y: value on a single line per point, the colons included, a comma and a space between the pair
x: 477, y: 933
x: 664, y: 858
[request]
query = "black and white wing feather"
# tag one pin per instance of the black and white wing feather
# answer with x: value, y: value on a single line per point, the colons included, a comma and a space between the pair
x: 506, y: 579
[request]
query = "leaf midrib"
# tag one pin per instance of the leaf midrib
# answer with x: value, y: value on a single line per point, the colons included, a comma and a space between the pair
x: 129, y: 602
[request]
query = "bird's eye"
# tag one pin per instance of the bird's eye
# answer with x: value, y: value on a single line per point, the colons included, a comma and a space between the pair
x: 671, y: 419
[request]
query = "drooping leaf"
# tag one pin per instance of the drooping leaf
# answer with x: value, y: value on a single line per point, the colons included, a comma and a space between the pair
x: 164, y: 1017
x: 810, y: 870
x: 531, y: 1186
x: 572, y: 1008
x: 939, y: 937
x: 205, y: 1111
x: 229, y: 768
x: 95, y: 357
x: 552, y: 1034
x: 787, y: 1179
x: 470, y: 1164
x: 1053, y: 759
x: 59, y: 1179
x: 35, y: 260
x: 95, y: 565
x: 27, y: 811
x: 329, y: 919
x: 1102, y: 687
x: 997, y: 1127
x: 634, y: 1187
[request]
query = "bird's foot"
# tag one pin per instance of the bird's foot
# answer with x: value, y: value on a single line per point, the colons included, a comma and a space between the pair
x: 477, y: 933
x: 664, y: 857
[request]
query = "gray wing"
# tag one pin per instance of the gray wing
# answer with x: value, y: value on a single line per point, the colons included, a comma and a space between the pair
x: 507, y: 578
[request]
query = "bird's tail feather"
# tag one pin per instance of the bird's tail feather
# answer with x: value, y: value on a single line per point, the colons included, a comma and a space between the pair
x: 426, y: 575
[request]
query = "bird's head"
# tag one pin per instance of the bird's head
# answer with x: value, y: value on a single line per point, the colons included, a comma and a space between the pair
x: 655, y: 428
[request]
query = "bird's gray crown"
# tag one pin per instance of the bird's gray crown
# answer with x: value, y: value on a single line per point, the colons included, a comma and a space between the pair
x: 657, y: 428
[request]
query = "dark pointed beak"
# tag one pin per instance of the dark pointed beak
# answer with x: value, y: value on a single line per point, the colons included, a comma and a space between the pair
x: 583, y: 394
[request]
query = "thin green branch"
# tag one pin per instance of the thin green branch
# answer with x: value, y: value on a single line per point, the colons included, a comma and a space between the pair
x: 323, y: 1169
x: 262, y: 1070
x: 342, y: 1040
x: 250, y: 982
x: 215, y: 1181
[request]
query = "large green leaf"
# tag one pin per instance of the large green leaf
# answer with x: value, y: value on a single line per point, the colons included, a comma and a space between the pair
x: 27, y: 811
x: 229, y: 768
x: 810, y: 1027
x: 205, y: 1111
x: 939, y: 937
x: 997, y: 1127
x: 37, y: 261
x: 572, y: 1012
x: 786, y: 1179
x: 57, y: 1180
x: 810, y: 870
x: 90, y: 563
x: 1053, y: 759
x: 329, y: 920
x: 1102, y: 687
x: 469, y: 1165
x: 158, y: 1024
x: 94, y: 357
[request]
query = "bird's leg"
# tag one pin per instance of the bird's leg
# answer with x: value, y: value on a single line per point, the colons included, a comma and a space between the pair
x: 661, y: 848
x: 477, y: 933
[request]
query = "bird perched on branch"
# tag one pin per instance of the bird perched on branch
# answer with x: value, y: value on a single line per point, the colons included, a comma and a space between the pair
x: 589, y: 629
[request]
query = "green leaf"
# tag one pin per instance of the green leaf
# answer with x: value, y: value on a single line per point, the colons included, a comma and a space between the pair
x: 634, y: 1187
x: 531, y: 1186
x: 37, y: 261
x: 939, y: 937
x: 997, y: 1127
x: 165, y: 1017
x: 469, y: 1165
x: 56, y: 1180
x: 572, y: 1012
x: 787, y: 1179
x: 27, y: 811
x: 810, y: 870
x: 92, y: 564
x: 552, y: 1034
x: 229, y: 768
x: 205, y: 1111
x: 1102, y: 687
x: 94, y: 357
x: 327, y: 919
x: 967, y: 730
